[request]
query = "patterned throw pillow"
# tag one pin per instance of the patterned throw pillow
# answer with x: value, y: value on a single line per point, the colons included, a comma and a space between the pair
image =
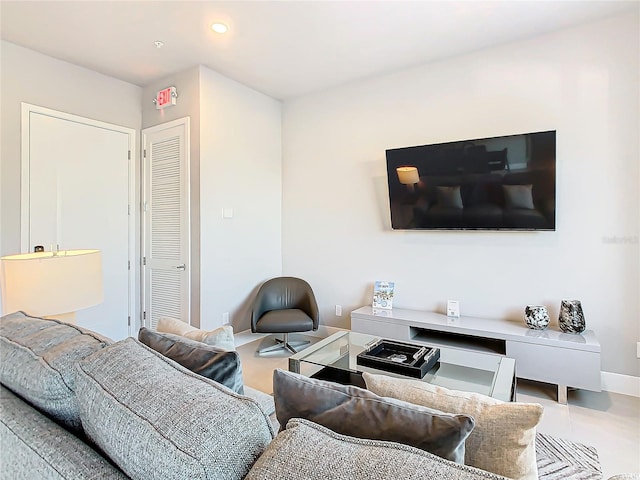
x: 359, y: 413
x: 503, y: 440
x: 220, y: 337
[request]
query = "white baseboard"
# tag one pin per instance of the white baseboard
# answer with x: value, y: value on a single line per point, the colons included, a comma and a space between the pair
x: 623, y: 384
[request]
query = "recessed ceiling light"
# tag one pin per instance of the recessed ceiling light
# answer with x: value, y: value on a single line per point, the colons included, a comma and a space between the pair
x: 219, y: 27
x: 158, y: 44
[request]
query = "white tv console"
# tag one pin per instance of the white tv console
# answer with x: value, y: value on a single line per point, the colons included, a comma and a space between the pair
x: 551, y: 356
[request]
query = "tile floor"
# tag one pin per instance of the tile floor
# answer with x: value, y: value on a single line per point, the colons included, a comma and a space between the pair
x: 608, y: 421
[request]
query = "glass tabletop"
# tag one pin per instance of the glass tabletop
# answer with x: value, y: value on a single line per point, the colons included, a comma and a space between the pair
x: 457, y: 369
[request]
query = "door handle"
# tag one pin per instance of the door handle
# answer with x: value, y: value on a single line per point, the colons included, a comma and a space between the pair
x: 182, y: 267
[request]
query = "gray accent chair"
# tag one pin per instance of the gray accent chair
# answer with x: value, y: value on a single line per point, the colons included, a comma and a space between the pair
x: 284, y: 305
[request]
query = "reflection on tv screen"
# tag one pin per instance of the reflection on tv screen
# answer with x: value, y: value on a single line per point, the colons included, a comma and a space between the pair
x: 498, y: 183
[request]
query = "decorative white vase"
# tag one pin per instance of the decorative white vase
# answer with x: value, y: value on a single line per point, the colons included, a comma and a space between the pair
x: 536, y: 317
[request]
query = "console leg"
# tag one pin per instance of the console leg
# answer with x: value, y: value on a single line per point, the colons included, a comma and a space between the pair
x: 562, y: 394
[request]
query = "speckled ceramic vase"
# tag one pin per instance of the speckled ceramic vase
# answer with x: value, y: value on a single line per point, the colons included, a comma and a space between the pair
x: 536, y: 317
x: 571, y: 318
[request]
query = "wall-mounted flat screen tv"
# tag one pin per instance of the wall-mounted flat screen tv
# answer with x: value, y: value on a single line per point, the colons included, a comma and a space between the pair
x: 498, y: 183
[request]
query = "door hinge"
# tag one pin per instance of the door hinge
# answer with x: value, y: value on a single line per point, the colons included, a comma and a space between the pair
x: 144, y: 260
x: 129, y: 267
x: 144, y: 315
x: 129, y: 320
x: 128, y: 209
x: 129, y: 155
x: 144, y: 153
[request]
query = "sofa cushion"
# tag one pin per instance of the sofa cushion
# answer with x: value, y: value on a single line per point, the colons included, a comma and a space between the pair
x: 220, y: 337
x: 359, y: 413
x: 219, y: 365
x: 37, y: 359
x: 155, y: 418
x: 307, y: 451
x: 264, y: 399
x: 503, y: 440
x: 34, y: 446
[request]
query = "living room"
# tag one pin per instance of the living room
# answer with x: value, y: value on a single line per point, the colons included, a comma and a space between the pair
x: 306, y: 177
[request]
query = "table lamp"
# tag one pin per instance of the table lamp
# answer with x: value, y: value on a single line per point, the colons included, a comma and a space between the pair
x: 51, y: 284
x: 408, y: 176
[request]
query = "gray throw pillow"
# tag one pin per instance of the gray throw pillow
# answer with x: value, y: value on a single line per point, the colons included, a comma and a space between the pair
x: 211, y: 362
x: 359, y: 413
x: 449, y: 197
x: 307, y: 451
x: 518, y: 196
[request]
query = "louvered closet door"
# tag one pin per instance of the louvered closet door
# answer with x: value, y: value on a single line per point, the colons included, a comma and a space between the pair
x: 166, y: 222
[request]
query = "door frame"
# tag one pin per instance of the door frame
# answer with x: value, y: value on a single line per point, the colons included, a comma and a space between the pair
x: 186, y: 123
x: 27, y: 110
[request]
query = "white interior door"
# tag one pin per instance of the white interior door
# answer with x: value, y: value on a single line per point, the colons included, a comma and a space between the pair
x: 166, y: 222
x: 76, y: 194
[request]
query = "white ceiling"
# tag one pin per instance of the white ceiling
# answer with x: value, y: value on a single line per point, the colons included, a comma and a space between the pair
x: 282, y: 48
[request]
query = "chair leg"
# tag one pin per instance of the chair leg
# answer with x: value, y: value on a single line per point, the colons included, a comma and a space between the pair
x: 285, y: 344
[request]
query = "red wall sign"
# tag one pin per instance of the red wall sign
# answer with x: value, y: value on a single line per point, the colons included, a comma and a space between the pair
x: 166, y: 97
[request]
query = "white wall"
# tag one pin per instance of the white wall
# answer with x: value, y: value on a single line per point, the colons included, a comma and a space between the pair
x: 28, y: 76
x: 240, y: 169
x: 581, y: 82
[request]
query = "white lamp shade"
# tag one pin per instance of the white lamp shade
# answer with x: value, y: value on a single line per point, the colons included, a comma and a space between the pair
x: 51, y: 283
x: 408, y: 175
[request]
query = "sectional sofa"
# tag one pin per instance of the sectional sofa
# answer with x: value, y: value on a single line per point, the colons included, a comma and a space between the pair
x: 76, y: 405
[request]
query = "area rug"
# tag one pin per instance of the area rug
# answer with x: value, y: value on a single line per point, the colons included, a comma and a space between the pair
x: 559, y: 459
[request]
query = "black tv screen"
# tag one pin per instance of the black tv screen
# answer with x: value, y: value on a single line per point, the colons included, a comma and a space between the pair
x: 497, y: 183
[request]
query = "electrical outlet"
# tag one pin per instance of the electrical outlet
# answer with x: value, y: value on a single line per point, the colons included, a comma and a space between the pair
x: 225, y: 318
x: 338, y: 310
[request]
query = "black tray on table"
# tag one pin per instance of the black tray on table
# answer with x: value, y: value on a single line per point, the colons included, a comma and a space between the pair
x: 397, y: 357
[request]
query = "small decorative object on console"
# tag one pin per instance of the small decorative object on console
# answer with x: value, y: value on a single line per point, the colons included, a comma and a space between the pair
x: 383, y: 294
x: 536, y: 317
x: 453, y: 309
x: 571, y: 319
x: 404, y: 358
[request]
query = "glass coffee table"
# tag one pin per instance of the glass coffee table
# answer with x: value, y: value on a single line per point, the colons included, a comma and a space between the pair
x: 334, y: 358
